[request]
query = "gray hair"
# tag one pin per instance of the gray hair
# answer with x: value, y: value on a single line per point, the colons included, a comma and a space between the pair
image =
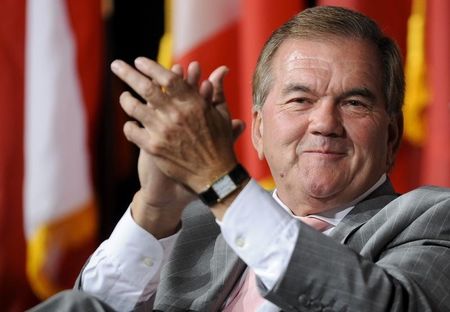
x: 323, y: 22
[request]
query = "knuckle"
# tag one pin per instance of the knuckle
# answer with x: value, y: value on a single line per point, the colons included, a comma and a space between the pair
x: 147, y: 89
x: 128, y: 130
x: 167, y: 134
x: 154, y: 147
x: 128, y: 104
x: 171, y: 81
x: 134, y: 109
x: 177, y: 117
x: 144, y: 119
x: 123, y: 97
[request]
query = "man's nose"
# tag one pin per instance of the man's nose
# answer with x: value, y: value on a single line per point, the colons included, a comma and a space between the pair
x: 325, y: 119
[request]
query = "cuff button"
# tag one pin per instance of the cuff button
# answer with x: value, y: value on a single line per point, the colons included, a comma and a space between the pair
x: 240, y: 242
x: 148, y: 261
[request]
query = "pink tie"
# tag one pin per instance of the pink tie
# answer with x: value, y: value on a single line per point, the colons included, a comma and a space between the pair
x: 247, y: 297
x: 316, y: 223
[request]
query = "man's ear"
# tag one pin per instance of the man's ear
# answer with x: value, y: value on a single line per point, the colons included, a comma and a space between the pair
x: 257, y: 133
x: 395, y: 134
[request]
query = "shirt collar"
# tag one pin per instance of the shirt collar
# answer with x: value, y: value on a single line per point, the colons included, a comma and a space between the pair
x: 336, y: 215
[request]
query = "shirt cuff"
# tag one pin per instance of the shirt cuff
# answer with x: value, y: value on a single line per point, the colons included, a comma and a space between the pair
x: 139, y: 254
x: 260, y: 232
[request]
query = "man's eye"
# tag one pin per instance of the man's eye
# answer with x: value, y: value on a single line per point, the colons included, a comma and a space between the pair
x: 355, y: 106
x: 301, y: 100
x: 354, y: 103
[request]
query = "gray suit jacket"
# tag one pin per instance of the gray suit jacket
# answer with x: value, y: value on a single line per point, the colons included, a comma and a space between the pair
x: 388, y: 254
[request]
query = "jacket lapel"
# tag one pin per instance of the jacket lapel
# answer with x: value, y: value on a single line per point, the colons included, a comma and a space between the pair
x: 202, y: 268
x: 227, y: 269
x: 363, y: 211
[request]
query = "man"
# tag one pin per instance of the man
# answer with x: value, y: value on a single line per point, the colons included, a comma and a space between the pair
x: 328, y: 91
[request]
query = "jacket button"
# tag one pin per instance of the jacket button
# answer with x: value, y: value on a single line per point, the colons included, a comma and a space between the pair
x: 303, y: 300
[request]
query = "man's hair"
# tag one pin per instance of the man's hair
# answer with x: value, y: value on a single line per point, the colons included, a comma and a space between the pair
x: 323, y: 22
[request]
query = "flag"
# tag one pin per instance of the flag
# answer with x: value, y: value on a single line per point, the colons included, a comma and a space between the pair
x: 405, y: 177
x: 59, y: 205
x: 15, y: 292
x: 416, y: 96
x: 50, y: 87
x: 231, y: 33
x: 436, y: 147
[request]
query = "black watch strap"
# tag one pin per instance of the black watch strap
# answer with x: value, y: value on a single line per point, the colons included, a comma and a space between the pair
x: 224, y: 186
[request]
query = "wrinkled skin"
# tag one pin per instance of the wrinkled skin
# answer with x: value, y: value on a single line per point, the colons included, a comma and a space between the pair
x: 324, y: 129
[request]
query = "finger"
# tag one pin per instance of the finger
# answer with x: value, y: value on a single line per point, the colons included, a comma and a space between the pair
x: 148, y: 90
x: 206, y: 91
x: 171, y: 82
x: 136, y: 134
x: 217, y: 78
x: 178, y: 69
x: 193, y: 74
x: 238, y: 127
x: 141, y: 138
x: 135, y: 108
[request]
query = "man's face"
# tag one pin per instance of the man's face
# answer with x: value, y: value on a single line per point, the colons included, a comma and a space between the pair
x: 324, y: 129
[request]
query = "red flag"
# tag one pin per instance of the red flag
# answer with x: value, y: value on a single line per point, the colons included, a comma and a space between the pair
x: 436, y: 148
x: 50, y: 86
x: 15, y: 293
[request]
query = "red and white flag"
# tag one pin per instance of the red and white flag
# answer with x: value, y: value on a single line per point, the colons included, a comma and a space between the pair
x: 52, y: 59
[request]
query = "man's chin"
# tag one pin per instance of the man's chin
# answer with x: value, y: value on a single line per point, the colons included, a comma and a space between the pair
x: 324, y: 191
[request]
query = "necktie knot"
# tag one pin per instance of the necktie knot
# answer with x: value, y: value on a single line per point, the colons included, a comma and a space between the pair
x: 318, y: 224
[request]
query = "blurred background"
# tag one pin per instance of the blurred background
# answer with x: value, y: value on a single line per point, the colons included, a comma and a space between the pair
x: 66, y: 172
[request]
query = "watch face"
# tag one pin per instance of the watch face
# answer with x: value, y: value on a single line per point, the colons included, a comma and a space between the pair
x: 224, y: 186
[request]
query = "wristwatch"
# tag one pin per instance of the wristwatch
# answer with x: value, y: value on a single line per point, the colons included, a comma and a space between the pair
x: 224, y: 186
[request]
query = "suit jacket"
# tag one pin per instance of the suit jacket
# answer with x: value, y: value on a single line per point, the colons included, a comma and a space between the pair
x: 388, y: 254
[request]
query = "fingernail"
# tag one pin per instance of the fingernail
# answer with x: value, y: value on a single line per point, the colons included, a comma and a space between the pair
x: 139, y: 61
x: 115, y: 65
x: 225, y: 73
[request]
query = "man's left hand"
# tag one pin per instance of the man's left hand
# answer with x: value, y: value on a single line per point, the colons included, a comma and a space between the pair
x: 187, y: 131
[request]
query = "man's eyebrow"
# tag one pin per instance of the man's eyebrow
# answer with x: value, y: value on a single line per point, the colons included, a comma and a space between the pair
x: 295, y: 88
x: 364, y: 92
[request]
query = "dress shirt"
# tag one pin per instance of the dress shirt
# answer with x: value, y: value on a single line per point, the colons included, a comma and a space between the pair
x: 265, y: 238
x: 125, y: 269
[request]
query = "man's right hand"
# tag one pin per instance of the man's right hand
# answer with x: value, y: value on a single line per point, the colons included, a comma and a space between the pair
x: 158, y: 205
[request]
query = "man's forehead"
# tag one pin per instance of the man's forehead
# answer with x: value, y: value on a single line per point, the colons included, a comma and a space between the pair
x: 304, y: 60
x: 321, y: 50
x: 347, y: 58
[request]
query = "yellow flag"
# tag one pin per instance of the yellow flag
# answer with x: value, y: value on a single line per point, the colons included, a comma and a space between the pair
x: 416, y: 96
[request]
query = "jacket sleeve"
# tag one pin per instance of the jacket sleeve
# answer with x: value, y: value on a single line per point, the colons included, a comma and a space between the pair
x: 397, y: 261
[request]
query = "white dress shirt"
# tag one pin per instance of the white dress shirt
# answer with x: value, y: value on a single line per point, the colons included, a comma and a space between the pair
x: 125, y: 269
